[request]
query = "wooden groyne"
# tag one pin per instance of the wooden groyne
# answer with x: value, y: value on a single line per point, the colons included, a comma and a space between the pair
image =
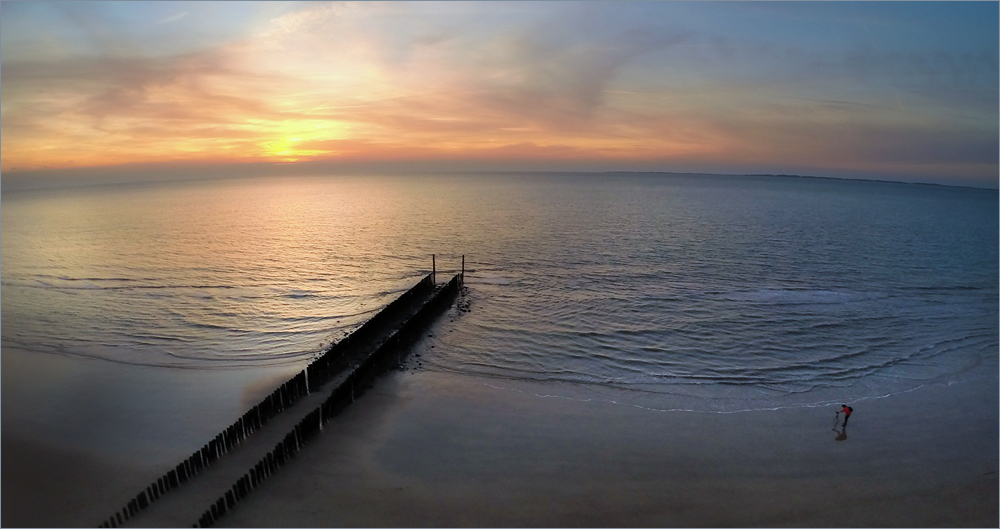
x: 350, y: 364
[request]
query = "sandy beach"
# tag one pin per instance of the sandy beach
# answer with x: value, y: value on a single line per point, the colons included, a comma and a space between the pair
x: 427, y: 449
x: 82, y: 436
x: 432, y: 449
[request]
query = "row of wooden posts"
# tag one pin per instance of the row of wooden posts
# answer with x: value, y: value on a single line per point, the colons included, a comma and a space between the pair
x: 388, y: 354
x: 315, y: 375
x: 434, y: 270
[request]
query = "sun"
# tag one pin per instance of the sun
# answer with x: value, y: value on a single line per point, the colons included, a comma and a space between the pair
x: 287, y: 150
x: 296, y: 140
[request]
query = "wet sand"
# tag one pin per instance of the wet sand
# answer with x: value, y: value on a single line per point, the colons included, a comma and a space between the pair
x: 81, y: 437
x: 46, y: 485
x: 441, y: 450
x: 433, y: 449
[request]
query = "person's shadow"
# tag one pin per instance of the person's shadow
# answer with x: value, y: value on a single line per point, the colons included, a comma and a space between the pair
x: 842, y: 434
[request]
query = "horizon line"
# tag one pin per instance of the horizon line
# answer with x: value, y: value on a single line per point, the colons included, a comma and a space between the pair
x: 49, y: 179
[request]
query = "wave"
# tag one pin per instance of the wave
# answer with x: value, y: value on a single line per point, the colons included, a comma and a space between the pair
x: 698, y: 407
x: 667, y: 290
x: 800, y: 297
x: 42, y: 284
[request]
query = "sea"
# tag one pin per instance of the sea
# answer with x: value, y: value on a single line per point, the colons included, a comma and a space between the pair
x: 670, y: 292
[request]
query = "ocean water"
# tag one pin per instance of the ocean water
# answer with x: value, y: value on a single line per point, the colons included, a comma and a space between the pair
x: 670, y: 292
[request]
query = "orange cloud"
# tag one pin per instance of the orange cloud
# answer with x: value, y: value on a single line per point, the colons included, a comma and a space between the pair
x: 370, y: 81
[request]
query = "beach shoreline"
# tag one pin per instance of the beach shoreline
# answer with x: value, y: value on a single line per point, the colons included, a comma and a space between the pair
x: 428, y: 449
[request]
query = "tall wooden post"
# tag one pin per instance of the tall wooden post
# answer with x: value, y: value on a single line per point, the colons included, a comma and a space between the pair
x: 463, y: 271
x: 433, y: 269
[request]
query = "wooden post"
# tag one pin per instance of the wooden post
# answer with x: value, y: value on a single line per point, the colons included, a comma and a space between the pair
x: 463, y: 271
x: 433, y: 269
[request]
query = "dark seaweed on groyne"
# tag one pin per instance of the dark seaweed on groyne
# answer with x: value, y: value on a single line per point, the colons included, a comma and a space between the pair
x: 332, y: 364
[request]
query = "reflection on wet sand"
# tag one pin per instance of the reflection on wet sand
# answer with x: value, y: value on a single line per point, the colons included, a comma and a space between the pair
x: 841, y: 434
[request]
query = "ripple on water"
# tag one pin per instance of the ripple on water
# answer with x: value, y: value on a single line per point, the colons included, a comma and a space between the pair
x: 720, y: 293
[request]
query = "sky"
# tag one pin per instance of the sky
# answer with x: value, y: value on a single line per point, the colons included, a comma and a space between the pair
x: 902, y: 91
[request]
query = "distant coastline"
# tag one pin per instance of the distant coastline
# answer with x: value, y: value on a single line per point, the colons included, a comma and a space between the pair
x: 47, y: 179
x: 784, y: 175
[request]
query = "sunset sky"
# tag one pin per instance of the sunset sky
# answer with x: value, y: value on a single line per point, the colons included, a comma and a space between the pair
x: 900, y: 90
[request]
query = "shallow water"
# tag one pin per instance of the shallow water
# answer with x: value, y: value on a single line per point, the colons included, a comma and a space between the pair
x: 702, y: 293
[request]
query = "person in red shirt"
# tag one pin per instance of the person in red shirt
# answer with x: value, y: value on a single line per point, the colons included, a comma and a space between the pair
x: 847, y: 412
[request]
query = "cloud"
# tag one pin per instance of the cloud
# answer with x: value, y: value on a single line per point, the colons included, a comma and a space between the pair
x: 173, y: 18
x: 549, y: 67
x: 103, y: 109
x: 538, y: 81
